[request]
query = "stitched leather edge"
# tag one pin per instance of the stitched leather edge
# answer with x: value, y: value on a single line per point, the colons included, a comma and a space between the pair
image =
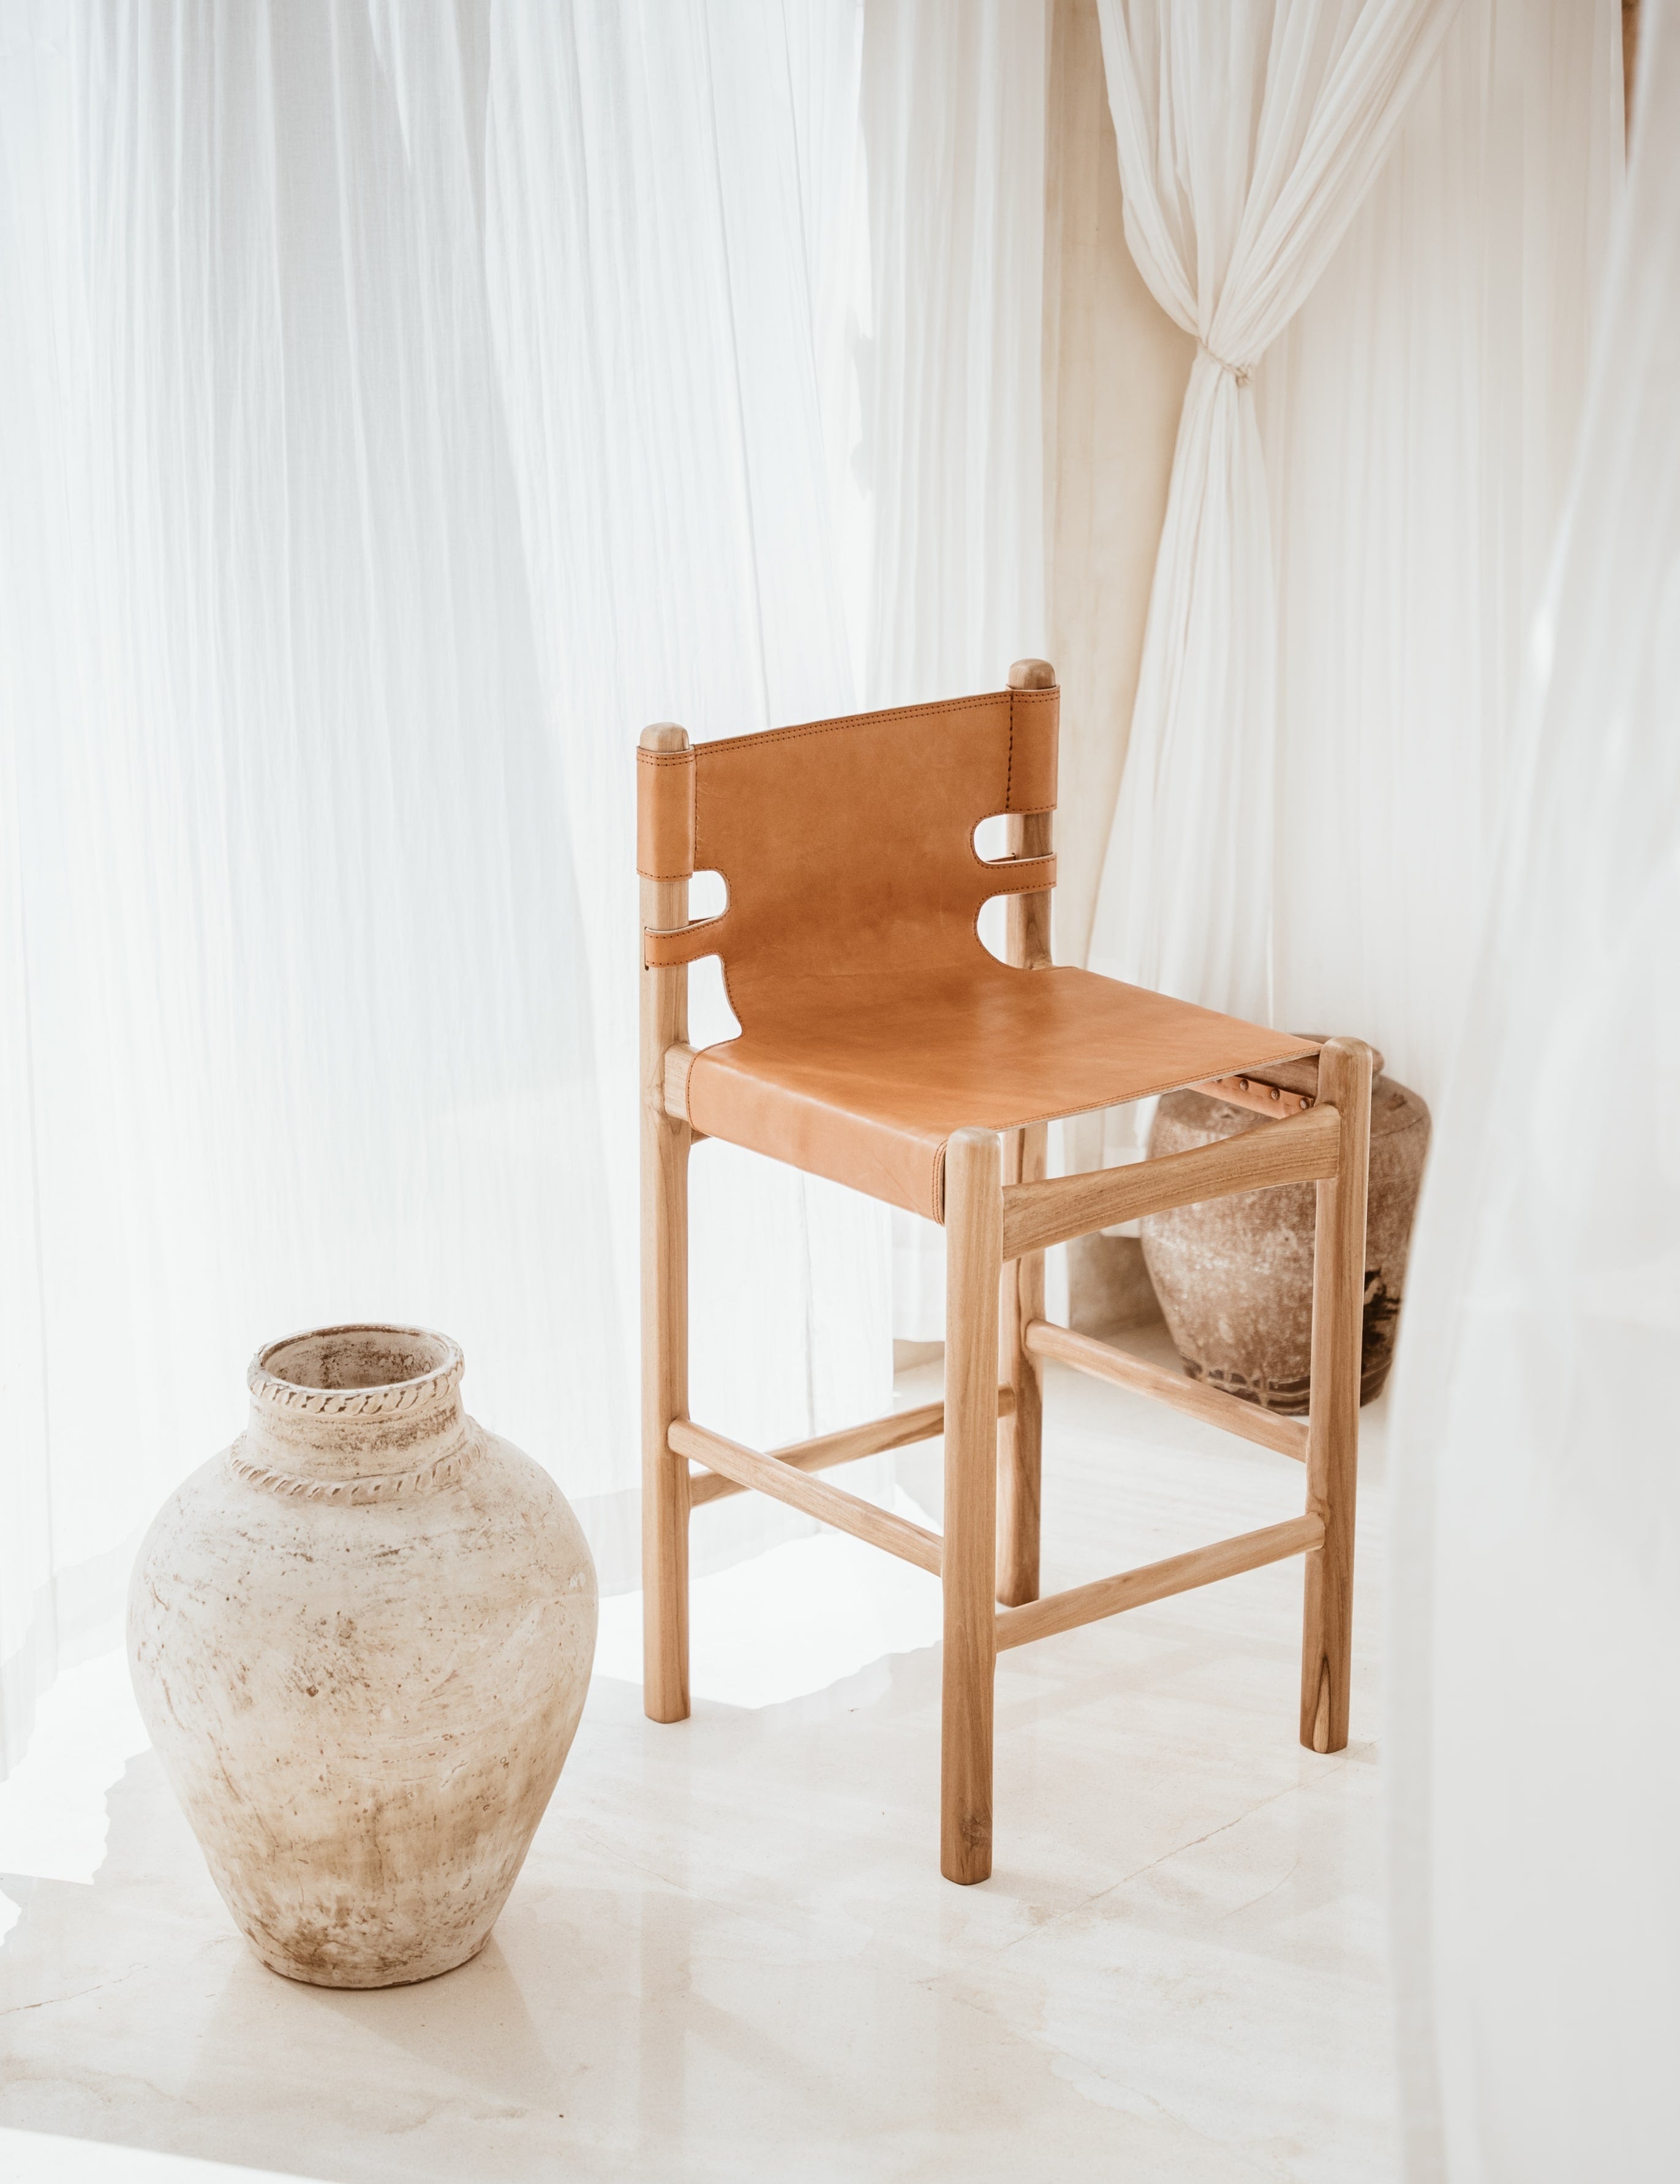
x: 696, y: 752
x: 846, y: 721
x: 1038, y: 699
x: 1154, y: 1092
x: 692, y: 941
x: 1038, y: 875
x: 656, y: 822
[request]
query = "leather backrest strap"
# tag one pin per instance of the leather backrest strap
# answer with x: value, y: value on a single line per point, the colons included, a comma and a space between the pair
x: 665, y: 814
x: 848, y: 844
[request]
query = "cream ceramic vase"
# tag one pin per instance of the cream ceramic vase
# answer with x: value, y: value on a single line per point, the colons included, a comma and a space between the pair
x: 361, y: 1638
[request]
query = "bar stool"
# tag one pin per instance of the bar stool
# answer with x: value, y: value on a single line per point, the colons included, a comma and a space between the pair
x: 884, y: 1046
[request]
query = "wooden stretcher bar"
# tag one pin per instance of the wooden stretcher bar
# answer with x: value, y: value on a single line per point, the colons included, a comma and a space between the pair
x: 1270, y: 1428
x: 1112, y: 1596
x: 900, y: 1430
x: 831, y: 1505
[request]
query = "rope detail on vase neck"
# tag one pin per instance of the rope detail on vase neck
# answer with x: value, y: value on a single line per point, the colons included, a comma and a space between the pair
x: 389, y: 1486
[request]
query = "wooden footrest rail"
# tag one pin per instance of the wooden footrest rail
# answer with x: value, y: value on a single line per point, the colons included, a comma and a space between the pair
x: 770, y: 1474
x: 1110, y: 1595
x: 1302, y: 1150
x: 898, y: 1430
x: 1270, y: 1428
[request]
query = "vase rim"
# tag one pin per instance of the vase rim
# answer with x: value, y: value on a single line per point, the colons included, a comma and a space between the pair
x: 354, y: 1370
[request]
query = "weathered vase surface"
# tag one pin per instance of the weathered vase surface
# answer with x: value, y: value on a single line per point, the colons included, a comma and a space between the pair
x: 361, y: 1639
x: 1234, y: 1274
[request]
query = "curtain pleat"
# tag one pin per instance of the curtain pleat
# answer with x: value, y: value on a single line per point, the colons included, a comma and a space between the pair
x: 1247, y: 138
x: 950, y: 381
x: 1418, y: 417
x: 1534, y: 1778
x: 400, y: 406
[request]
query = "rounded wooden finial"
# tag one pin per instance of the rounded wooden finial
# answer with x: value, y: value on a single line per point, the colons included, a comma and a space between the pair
x: 1033, y: 675
x: 665, y: 735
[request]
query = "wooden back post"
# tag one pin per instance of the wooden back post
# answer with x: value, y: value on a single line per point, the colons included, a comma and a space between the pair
x: 666, y: 1140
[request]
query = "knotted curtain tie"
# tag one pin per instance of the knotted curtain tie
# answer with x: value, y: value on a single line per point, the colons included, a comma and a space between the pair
x: 1239, y: 373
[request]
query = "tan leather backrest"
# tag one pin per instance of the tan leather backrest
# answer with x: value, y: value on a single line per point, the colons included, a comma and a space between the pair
x: 848, y: 844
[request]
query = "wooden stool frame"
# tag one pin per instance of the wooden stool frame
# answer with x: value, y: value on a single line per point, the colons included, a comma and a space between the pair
x: 1000, y: 1216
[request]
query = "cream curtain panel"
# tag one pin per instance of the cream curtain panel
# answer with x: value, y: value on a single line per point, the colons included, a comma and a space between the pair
x: 1534, y: 1775
x: 399, y: 405
x: 951, y: 379
x: 1418, y: 415
x: 1247, y: 137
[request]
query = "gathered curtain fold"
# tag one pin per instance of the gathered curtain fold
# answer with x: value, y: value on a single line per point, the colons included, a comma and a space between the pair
x: 1247, y: 137
x: 1418, y: 416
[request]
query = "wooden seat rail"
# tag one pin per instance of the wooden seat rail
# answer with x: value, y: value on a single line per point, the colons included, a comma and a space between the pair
x: 1305, y: 1148
x: 1300, y: 1149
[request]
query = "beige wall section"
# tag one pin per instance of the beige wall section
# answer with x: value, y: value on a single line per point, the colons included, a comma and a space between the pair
x: 1115, y: 368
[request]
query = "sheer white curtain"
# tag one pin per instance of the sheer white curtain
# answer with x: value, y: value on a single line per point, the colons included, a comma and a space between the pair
x: 1247, y: 138
x: 954, y: 111
x: 399, y: 404
x: 1418, y: 417
x: 673, y: 246
x: 1535, y: 1776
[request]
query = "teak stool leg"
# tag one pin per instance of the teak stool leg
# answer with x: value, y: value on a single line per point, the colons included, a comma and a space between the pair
x: 974, y: 1238
x: 1020, y: 1300
x: 1332, y: 1426
x: 665, y: 1310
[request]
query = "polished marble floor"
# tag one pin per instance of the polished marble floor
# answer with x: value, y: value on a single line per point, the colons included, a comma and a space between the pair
x: 731, y: 1954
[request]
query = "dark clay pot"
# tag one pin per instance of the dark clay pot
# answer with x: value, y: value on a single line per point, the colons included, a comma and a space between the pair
x: 1234, y: 1275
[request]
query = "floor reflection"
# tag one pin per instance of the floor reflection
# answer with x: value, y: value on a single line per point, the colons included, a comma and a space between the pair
x: 730, y: 1954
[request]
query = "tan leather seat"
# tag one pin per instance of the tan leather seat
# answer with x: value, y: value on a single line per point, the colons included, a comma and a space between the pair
x: 874, y: 1022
